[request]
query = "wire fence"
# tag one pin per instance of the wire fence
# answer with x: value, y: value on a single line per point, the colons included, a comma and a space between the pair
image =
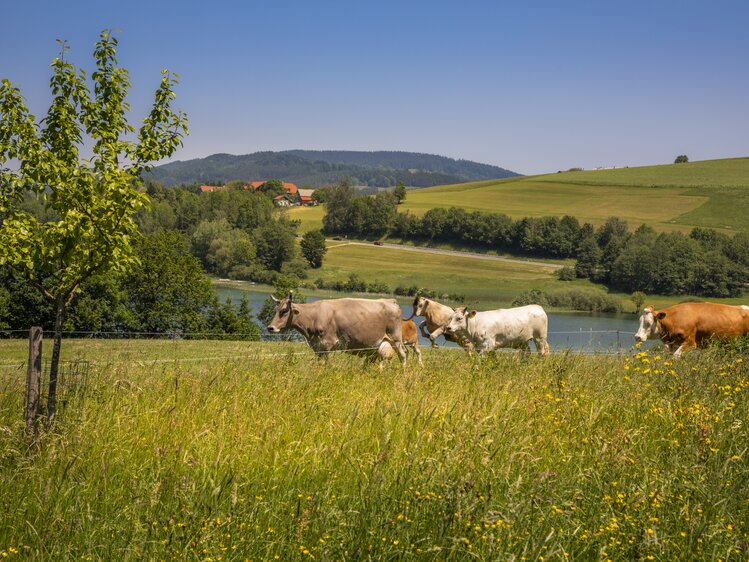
x: 585, y: 342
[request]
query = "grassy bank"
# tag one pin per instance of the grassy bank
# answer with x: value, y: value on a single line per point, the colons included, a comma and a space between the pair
x: 271, y: 456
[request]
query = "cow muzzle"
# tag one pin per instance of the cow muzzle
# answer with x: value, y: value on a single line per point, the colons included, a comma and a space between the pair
x: 273, y: 329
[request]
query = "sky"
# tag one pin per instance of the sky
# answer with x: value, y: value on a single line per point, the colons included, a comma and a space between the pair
x: 531, y: 86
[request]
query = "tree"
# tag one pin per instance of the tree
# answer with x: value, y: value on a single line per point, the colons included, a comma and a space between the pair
x: 638, y: 297
x: 339, y: 200
x: 588, y: 257
x: 400, y: 192
x: 94, y: 199
x: 275, y: 243
x: 313, y: 247
x: 681, y: 159
x: 168, y: 290
x: 271, y: 188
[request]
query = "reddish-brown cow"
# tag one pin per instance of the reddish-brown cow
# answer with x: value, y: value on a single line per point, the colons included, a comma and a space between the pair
x: 683, y: 327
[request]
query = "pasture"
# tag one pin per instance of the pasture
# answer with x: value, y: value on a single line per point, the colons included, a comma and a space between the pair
x: 485, y: 283
x: 200, y: 450
x: 711, y: 193
x: 484, y: 280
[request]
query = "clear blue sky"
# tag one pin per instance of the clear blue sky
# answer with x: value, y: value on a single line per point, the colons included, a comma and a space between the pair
x: 527, y: 85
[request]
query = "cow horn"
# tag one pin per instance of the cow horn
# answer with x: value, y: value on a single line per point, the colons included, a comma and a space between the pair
x: 275, y: 299
x: 291, y: 296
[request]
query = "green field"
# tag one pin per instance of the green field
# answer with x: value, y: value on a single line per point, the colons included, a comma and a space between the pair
x: 490, y: 282
x: 713, y: 193
x: 175, y: 454
x: 485, y: 284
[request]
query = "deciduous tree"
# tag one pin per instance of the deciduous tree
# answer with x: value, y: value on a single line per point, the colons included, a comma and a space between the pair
x: 83, y: 162
x: 313, y: 247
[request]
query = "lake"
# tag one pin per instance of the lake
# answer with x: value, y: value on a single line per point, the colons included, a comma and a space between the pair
x: 578, y: 331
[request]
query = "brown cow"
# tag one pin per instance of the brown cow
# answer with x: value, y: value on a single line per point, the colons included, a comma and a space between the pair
x: 683, y: 327
x: 411, y: 338
x: 437, y: 316
x: 364, y: 326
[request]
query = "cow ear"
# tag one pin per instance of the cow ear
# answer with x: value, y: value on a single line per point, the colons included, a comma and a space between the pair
x: 660, y: 315
x: 294, y: 309
x: 472, y: 314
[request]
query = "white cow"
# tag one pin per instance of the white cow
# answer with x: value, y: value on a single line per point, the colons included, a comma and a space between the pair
x: 506, y: 327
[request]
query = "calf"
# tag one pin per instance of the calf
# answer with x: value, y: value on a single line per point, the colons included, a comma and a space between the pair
x: 411, y: 338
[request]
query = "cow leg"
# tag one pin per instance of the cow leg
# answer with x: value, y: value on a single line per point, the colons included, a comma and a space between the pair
x: 542, y: 346
x: 525, y: 350
x: 434, y: 335
x: 423, y: 328
x: 417, y: 351
x: 401, y: 349
x: 688, y: 345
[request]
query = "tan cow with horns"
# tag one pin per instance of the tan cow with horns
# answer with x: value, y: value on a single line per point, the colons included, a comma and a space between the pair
x: 683, y: 327
x: 370, y: 327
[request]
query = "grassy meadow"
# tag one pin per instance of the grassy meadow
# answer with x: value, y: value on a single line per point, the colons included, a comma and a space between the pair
x: 177, y: 454
x: 711, y: 193
x: 482, y: 280
x: 485, y: 283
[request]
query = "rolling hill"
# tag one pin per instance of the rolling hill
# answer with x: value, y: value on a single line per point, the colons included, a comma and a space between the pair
x: 711, y: 193
x: 317, y: 168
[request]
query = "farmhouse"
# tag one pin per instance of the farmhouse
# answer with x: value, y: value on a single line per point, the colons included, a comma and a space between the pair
x: 305, y: 197
x: 293, y: 196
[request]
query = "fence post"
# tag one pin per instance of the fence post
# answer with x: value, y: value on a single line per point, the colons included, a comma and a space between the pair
x: 34, y: 380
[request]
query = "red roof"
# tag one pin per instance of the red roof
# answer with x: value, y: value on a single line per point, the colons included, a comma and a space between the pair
x: 290, y: 187
x: 208, y: 188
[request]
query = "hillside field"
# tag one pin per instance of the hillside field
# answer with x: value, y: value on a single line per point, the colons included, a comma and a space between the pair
x: 206, y: 450
x: 713, y: 193
x: 485, y: 284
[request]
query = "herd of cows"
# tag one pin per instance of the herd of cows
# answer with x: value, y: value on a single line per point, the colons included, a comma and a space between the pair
x: 376, y: 328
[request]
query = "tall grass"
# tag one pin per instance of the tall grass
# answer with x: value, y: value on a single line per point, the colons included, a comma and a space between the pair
x: 571, y: 457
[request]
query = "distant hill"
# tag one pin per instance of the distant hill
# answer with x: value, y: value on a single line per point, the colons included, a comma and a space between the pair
x: 317, y: 168
x: 709, y: 193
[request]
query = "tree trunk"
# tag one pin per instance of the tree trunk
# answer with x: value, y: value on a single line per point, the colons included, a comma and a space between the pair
x: 53, y: 367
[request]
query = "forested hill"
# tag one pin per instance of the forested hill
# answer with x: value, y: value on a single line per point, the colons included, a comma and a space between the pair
x: 317, y: 168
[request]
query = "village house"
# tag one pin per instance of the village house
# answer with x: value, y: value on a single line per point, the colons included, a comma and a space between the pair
x: 293, y: 195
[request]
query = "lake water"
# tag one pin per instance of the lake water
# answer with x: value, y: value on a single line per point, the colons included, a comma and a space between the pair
x: 578, y: 331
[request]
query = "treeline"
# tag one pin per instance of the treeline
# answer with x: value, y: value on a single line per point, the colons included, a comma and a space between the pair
x: 705, y: 262
x: 234, y: 233
x: 231, y: 233
x: 167, y: 292
x: 355, y: 284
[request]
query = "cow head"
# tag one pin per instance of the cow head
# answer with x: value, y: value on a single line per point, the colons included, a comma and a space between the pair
x: 284, y: 315
x: 649, y: 324
x: 459, y: 320
x: 420, y: 305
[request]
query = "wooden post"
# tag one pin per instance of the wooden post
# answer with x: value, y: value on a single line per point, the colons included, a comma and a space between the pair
x: 34, y: 380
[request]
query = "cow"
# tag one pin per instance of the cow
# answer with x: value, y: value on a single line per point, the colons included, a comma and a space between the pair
x: 436, y: 316
x: 371, y: 327
x: 411, y: 338
x: 683, y: 327
x: 506, y: 327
